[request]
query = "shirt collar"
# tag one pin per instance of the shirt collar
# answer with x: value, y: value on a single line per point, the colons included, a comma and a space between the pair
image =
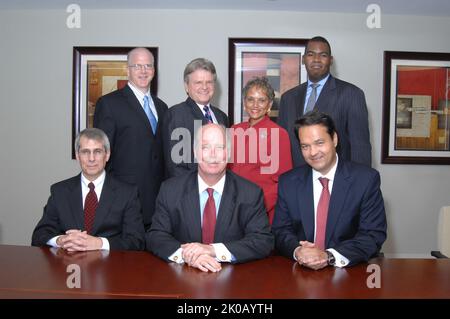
x: 139, y: 94
x: 97, y: 181
x: 218, y: 187
x: 321, y: 82
x: 329, y: 175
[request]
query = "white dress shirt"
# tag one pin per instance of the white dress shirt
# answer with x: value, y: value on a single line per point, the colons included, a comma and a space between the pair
x: 140, y: 97
x: 98, y: 183
x: 341, y: 261
x: 210, y: 111
x: 222, y: 253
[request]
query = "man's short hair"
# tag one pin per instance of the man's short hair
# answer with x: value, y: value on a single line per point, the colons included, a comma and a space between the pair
x: 93, y: 134
x: 319, y: 39
x: 199, y: 64
x: 132, y: 51
x: 316, y: 118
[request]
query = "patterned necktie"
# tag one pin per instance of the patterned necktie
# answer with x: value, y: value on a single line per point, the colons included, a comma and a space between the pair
x: 322, y: 214
x: 209, y: 218
x: 90, y: 205
x: 207, y: 114
x: 150, y: 115
x: 312, y: 98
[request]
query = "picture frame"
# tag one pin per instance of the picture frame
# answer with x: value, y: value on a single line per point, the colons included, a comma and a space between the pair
x: 416, y: 108
x: 97, y: 71
x: 280, y: 60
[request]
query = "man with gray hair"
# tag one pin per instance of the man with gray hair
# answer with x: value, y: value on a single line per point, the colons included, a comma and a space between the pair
x: 210, y: 215
x: 93, y: 210
x: 180, y: 121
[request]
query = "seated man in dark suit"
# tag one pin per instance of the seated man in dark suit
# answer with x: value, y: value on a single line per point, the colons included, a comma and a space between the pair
x: 92, y: 210
x: 184, y: 227
x: 329, y: 212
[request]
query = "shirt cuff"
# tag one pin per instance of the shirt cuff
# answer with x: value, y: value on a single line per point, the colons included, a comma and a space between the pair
x: 52, y: 242
x: 295, y: 258
x: 105, y: 244
x: 223, y: 254
x: 177, y: 256
x: 340, y: 261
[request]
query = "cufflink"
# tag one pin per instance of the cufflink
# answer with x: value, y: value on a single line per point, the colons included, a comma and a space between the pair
x: 223, y: 257
x: 175, y: 258
x: 342, y: 262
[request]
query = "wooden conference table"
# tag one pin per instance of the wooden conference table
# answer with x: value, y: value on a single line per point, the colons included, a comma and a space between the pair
x: 31, y: 272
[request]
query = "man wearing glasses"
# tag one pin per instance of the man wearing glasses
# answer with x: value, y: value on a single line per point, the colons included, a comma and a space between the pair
x: 93, y: 210
x: 131, y: 119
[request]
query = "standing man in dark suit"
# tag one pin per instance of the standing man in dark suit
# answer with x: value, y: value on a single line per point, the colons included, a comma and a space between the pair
x: 92, y: 210
x: 130, y: 117
x: 181, y: 120
x: 331, y: 211
x: 344, y: 101
x: 184, y: 227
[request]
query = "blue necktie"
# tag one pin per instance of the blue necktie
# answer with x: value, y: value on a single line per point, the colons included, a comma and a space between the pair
x: 150, y: 115
x: 207, y: 114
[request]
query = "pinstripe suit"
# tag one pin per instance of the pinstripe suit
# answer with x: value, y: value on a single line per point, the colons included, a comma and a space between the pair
x: 346, y: 104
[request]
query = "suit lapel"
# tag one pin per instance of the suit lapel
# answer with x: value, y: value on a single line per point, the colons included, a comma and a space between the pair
x: 341, y: 185
x: 196, y: 113
x: 159, y: 109
x: 137, y: 107
x: 327, y: 96
x: 227, y: 203
x: 104, y: 205
x: 302, y: 95
x: 305, y: 196
x: 76, y: 201
x: 191, y: 209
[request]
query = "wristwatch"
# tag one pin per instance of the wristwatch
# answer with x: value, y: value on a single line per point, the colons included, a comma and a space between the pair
x: 331, y: 261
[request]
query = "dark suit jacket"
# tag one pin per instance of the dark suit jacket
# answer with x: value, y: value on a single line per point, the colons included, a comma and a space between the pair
x: 136, y: 153
x: 183, y: 115
x: 242, y: 224
x: 356, y: 223
x: 346, y: 104
x: 117, y: 218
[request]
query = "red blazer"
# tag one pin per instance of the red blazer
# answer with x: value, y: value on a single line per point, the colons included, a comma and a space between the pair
x: 257, y: 152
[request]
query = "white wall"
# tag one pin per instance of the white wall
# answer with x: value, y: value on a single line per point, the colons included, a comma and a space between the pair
x: 36, y: 90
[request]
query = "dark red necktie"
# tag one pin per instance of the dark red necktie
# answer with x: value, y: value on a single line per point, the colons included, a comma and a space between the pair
x: 209, y: 219
x: 322, y: 214
x: 90, y: 205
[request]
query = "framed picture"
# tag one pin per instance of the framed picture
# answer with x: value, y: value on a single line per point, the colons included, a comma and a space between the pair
x: 280, y: 60
x: 96, y: 72
x: 416, y: 114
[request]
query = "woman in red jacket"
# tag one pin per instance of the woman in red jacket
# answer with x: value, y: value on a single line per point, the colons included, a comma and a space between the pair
x: 261, y: 148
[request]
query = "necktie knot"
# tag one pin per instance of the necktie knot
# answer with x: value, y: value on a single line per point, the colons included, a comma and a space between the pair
x: 210, y: 191
x: 91, y: 186
x: 314, y: 85
x: 324, y: 181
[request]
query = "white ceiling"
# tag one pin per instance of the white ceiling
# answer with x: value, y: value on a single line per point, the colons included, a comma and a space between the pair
x: 402, y: 7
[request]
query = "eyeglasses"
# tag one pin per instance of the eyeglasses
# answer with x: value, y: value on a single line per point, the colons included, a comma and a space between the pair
x: 87, y: 153
x: 139, y: 67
